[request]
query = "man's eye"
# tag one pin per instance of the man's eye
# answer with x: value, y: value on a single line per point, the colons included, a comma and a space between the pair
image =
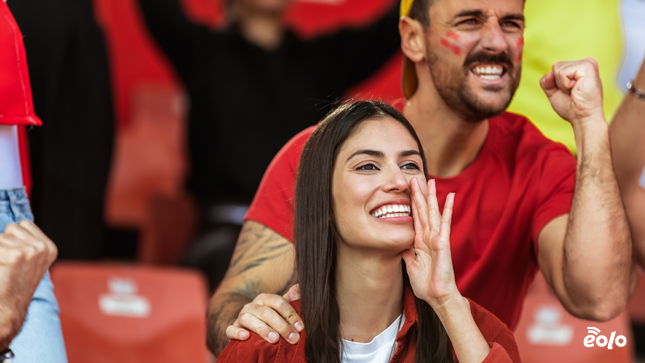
x: 410, y: 166
x: 367, y: 167
x: 471, y: 21
x: 510, y: 24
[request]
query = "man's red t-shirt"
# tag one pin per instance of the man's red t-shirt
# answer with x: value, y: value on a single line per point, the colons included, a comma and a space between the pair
x: 498, y: 336
x: 517, y: 184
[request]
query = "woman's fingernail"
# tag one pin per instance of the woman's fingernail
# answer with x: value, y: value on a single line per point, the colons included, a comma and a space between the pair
x: 293, y: 337
x: 244, y: 335
x: 298, y: 326
x: 273, y: 336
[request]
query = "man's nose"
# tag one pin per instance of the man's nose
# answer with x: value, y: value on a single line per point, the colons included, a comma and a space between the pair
x: 493, y: 39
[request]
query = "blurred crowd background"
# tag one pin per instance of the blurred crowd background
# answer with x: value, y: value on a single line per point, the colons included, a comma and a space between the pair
x: 150, y: 151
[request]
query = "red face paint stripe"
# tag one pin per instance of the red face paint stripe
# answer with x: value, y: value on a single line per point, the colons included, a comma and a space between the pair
x: 520, y: 46
x: 452, y: 35
x: 455, y: 49
x: 519, y: 58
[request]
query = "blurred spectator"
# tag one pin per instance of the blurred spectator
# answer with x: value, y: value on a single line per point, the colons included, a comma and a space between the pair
x: 252, y: 86
x: 71, y: 153
x: 633, y: 13
x: 628, y: 126
x: 628, y: 149
x: 29, y: 323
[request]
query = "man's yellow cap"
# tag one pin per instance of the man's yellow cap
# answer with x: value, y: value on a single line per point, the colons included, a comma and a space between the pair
x: 409, y: 80
x: 406, y: 5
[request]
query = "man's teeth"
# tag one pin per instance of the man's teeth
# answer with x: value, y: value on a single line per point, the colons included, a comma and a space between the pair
x: 488, y: 72
x: 390, y: 211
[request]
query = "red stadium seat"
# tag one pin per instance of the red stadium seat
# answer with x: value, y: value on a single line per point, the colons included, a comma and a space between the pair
x: 146, y: 185
x: 547, y: 333
x: 149, y: 155
x: 127, y: 314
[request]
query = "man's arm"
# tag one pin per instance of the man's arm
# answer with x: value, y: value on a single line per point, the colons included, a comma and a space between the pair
x: 364, y: 49
x: 627, y: 132
x: 586, y: 256
x: 181, y: 40
x: 263, y: 263
x: 25, y: 255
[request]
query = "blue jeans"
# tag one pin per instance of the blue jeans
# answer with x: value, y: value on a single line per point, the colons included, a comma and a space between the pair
x: 41, y: 338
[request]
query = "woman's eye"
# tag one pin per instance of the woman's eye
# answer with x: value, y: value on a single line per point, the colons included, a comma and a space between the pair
x: 367, y: 167
x: 410, y: 166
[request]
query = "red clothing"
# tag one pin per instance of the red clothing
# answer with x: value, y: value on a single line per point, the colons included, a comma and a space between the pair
x: 499, y: 337
x: 16, y: 107
x: 517, y: 184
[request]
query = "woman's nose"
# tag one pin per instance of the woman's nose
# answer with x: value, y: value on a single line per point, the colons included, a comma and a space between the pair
x: 397, y: 181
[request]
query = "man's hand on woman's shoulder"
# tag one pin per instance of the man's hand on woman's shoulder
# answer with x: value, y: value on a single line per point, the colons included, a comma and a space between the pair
x: 262, y: 268
x: 270, y: 316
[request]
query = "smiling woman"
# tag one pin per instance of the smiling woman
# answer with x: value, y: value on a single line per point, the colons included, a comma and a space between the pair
x: 373, y: 255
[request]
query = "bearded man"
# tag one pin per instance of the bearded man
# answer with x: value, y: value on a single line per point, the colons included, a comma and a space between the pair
x: 523, y: 202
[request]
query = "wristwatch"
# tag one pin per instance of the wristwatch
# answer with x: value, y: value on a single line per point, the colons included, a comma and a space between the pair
x: 638, y: 93
x: 7, y: 356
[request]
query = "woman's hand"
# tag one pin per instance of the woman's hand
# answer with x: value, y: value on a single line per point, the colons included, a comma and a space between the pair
x: 432, y: 277
x: 428, y: 263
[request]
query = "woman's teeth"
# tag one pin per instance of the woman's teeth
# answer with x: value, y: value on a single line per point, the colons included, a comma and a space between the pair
x: 391, y: 211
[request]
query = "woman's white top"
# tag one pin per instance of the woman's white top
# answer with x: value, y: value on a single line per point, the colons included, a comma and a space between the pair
x: 379, y: 350
x: 10, y: 172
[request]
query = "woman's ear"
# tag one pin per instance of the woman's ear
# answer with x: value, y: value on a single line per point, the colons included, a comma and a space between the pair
x: 412, y: 39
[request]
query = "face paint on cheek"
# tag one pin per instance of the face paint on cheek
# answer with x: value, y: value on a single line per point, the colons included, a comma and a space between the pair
x: 455, y: 49
x: 452, y: 35
x: 520, y: 48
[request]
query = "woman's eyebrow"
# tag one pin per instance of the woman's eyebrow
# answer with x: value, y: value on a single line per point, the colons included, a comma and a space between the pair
x: 405, y: 153
x: 375, y: 153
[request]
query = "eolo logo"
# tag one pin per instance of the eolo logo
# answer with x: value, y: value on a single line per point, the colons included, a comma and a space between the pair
x: 602, y: 341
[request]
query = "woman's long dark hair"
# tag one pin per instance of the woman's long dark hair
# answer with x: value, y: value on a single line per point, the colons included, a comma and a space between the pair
x: 315, y: 232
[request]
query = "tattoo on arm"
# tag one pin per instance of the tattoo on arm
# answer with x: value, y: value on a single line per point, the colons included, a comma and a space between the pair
x: 258, y: 250
x: 220, y: 317
x: 257, y: 244
x: 292, y: 281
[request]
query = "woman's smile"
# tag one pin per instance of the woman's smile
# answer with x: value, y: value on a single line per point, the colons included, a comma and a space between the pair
x: 393, y: 211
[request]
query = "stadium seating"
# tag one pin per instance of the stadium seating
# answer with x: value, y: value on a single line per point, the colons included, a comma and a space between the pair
x: 127, y: 314
x: 146, y: 185
x: 547, y: 333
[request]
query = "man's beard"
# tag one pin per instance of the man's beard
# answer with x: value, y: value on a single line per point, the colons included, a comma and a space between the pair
x: 452, y: 86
